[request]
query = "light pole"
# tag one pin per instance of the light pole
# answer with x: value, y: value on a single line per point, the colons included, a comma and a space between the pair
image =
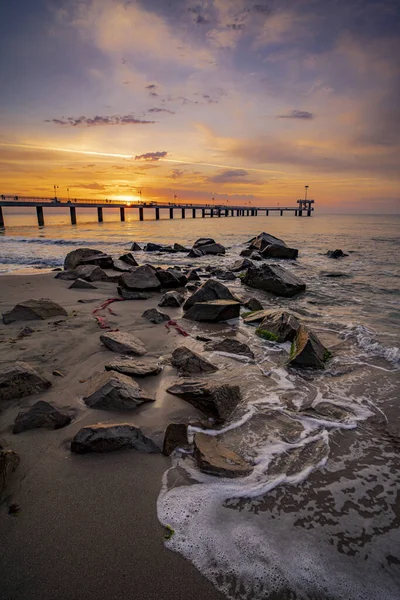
x: 55, y: 191
x: 68, y: 193
x: 305, y: 194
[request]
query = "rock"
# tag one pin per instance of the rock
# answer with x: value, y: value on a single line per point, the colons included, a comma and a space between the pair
x: 224, y: 275
x: 231, y: 346
x: 241, y: 265
x: 150, y: 247
x: 336, y: 254
x: 214, y: 458
x: 114, y: 391
x: 81, y: 284
x: 57, y: 269
x: 9, y: 461
x: 190, y: 363
x: 167, y: 279
x: 278, y: 326
x: 34, y: 310
x: 41, y: 414
x: 307, y: 350
x: 129, y: 259
x: 256, y: 316
x: 173, y: 299
x: 217, y: 401
x: 168, y: 250
x: 104, y: 261
x: 213, y: 311
x: 86, y: 272
x: 334, y: 274
x: 75, y: 257
x: 140, y: 279
x: 192, y: 275
x: 195, y: 253
x: 180, y: 248
x: 256, y: 256
x: 210, y: 290
x: 175, y: 437
x: 215, y: 249
x: 246, y: 252
x: 155, y: 316
x: 278, y: 251
x: 265, y: 239
x: 253, y: 304
x: 181, y: 277
x: 124, y: 343
x: 18, y: 380
x: 135, y: 247
x: 107, y: 438
x: 128, y: 295
x: 133, y: 368
x: 120, y: 265
x: 203, y: 242
x: 25, y: 332
x: 274, y: 279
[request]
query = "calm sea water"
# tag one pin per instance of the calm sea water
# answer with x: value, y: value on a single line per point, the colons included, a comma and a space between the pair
x: 319, y: 517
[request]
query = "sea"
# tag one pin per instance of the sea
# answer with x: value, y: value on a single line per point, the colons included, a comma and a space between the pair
x: 319, y: 516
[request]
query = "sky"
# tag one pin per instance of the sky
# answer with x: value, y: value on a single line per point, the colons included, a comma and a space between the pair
x: 244, y: 101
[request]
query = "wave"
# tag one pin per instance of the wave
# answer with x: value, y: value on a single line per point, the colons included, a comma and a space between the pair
x: 60, y: 242
x: 366, y: 340
x: 31, y: 261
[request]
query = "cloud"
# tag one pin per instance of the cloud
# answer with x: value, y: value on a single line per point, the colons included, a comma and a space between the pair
x: 99, y: 121
x: 296, y: 114
x: 227, y: 176
x: 176, y: 173
x: 89, y: 186
x: 151, y: 156
x: 160, y: 110
x: 151, y: 86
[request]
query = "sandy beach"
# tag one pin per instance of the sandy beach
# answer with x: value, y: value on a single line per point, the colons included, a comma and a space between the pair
x: 88, y: 524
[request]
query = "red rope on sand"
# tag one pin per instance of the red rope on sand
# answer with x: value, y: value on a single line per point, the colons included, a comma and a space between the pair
x: 102, y: 321
x: 177, y: 327
x: 106, y: 303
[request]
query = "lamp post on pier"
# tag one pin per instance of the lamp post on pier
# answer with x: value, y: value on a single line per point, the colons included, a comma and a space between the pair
x: 55, y: 191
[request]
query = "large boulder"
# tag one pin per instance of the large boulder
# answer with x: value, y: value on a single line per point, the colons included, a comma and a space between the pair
x: 41, y: 414
x: 133, y: 368
x: 215, y: 249
x: 85, y: 272
x: 263, y: 240
x: 150, y: 247
x: 278, y: 251
x: 210, y: 290
x: 203, y: 242
x: 18, y: 380
x: 172, y: 299
x: 192, y: 275
x: 9, y: 461
x: 75, y: 257
x: 120, y: 265
x: 181, y: 277
x: 274, y: 279
x: 190, y: 363
x: 113, y: 391
x: 180, y: 248
x: 214, y: 458
x: 176, y: 436
x: 155, y: 316
x: 336, y: 253
x: 278, y: 326
x: 105, y: 437
x: 246, y: 252
x: 213, y: 311
x: 34, y: 310
x: 129, y: 259
x: 213, y: 399
x: 230, y: 346
x: 124, y: 343
x: 131, y: 295
x: 167, y: 279
x: 81, y: 284
x: 135, y: 247
x: 195, y: 253
x: 307, y: 350
x: 140, y: 279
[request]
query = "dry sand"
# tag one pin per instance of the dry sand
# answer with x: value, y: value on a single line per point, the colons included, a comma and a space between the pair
x: 88, y: 526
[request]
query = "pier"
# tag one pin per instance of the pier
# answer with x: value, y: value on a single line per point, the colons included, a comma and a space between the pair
x: 302, y: 208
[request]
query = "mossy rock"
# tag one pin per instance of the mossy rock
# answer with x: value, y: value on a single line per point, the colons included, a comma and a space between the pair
x: 267, y: 335
x: 247, y: 314
x: 327, y: 355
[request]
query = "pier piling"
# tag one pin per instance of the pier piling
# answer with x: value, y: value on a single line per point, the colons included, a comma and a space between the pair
x: 122, y: 213
x: 157, y: 214
x: 140, y: 213
x: 1, y: 218
x: 99, y: 214
x: 193, y: 213
x: 40, y: 217
x: 171, y: 213
x: 183, y: 213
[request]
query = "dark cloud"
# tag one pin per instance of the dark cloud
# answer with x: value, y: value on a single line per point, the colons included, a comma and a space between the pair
x: 160, y: 110
x: 296, y: 114
x: 153, y: 94
x: 151, y: 156
x: 236, y: 26
x: 200, y: 20
x: 151, y: 86
x: 227, y: 176
x: 98, y: 121
x: 176, y: 173
x: 261, y: 8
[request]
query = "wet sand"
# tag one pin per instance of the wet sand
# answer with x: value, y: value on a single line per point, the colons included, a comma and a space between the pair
x: 88, y: 524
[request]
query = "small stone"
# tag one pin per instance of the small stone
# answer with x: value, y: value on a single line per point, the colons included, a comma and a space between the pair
x: 175, y: 437
x: 167, y: 279
x: 19, y: 379
x: 246, y: 252
x: 58, y: 374
x: 214, y: 311
x: 9, y: 461
x: 230, y: 346
x: 336, y: 254
x: 195, y: 253
x: 190, y: 363
x: 113, y: 391
x: 108, y: 438
x: 278, y: 251
x: 214, y: 458
x: 140, y: 279
x: 150, y: 247
x: 193, y: 275
x: 124, y: 343
x: 31, y: 310
x: 135, y: 247
x: 133, y: 368
x: 120, y: 265
x: 41, y: 414
x: 25, y: 332
x: 214, y: 249
x: 129, y: 259
x: 172, y: 299
x: 203, y: 242
x: 210, y: 290
x: 307, y: 350
x: 81, y: 284
x: 278, y: 326
x: 241, y: 265
x: 180, y: 248
x: 129, y: 295
x: 217, y: 401
x: 155, y: 316
x: 253, y: 304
